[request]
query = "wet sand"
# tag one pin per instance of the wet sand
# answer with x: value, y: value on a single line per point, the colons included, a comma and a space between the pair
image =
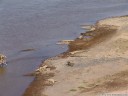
x: 98, y: 67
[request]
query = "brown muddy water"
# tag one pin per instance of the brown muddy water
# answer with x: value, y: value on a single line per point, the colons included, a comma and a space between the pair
x: 38, y: 25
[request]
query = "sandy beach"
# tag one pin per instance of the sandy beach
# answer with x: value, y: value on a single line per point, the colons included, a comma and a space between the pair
x: 94, y: 65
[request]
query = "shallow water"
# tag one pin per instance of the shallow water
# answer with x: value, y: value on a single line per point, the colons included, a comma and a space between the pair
x: 39, y: 24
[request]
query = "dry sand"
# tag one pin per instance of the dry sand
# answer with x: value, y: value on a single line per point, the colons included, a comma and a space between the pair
x: 99, y: 68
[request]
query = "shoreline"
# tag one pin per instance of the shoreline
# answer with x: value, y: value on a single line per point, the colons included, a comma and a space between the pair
x: 88, y: 61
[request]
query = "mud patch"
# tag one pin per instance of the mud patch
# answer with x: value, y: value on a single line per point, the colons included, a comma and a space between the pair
x: 39, y: 84
x: 108, y: 83
x: 90, y: 38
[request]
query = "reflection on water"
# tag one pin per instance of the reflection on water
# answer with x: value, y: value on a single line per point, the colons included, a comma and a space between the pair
x: 39, y: 24
x: 2, y: 70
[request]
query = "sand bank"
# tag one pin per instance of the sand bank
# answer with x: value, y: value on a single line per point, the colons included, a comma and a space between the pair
x: 96, y: 63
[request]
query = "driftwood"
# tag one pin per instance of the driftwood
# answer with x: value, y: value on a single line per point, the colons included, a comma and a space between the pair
x: 88, y: 27
x: 65, y: 42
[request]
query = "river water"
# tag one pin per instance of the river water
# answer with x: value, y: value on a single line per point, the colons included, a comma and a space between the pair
x: 39, y: 24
